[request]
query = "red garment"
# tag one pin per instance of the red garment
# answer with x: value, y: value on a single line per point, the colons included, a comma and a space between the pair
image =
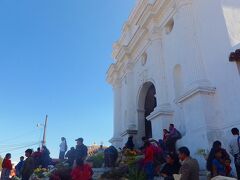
x: 36, y: 154
x: 148, y: 154
x: 228, y: 170
x: 82, y: 172
x: 165, y: 137
x: 7, y: 164
x: 156, y: 149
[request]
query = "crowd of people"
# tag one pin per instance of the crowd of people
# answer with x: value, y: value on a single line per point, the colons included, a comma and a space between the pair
x: 160, y: 158
x: 75, y: 157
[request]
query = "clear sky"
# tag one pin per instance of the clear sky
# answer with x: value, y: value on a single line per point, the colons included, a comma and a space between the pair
x: 54, y: 55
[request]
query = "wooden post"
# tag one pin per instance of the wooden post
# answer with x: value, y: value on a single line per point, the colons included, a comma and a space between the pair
x: 44, y: 132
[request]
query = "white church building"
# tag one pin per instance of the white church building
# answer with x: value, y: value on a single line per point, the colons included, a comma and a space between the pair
x: 177, y: 61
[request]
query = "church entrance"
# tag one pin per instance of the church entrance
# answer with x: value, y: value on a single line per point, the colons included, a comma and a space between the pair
x: 147, y: 103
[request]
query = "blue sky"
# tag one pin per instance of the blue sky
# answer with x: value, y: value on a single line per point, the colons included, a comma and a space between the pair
x: 54, y: 55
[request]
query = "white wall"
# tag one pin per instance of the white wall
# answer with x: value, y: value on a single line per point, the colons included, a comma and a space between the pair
x: 200, y: 42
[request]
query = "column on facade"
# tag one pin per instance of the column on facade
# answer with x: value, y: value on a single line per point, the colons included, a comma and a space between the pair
x: 162, y: 115
x: 140, y: 126
x: 195, y: 105
x: 188, y: 20
x: 117, y: 109
x: 161, y: 81
x: 131, y: 122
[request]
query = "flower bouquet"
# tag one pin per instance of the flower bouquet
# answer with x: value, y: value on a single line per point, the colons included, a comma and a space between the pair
x: 131, y: 156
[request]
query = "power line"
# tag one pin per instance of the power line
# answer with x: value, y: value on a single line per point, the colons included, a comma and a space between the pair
x: 13, y: 145
x: 20, y: 147
x: 17, y: 137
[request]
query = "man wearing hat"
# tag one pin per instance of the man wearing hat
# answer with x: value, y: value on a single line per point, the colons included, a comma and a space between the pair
x: 81, y: 150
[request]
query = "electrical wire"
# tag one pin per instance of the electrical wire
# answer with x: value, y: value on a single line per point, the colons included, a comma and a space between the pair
x: 17, y: 137
x: 20, y: 147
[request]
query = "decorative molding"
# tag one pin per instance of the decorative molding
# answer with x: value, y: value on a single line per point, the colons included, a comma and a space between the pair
x: 144, y: 15
x: 111, y: 74
x: 115, y: 139
x: 160, y: 112
x: 151, y: 1
x: 156, y: 33
x: 129, y: 67
x: 129, y: 132
x: 207, y: 90
x: 144, y: 25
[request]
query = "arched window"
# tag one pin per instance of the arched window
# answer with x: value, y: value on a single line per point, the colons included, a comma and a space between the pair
x: 178, y: 82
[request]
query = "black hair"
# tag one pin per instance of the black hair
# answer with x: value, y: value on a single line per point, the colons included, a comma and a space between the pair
x: 29, y: 151
x: 166, y: 130
x: 235, y: 131
x: 8, y: 155
x: 173, y: 156
x: 184, y: 150
x: 216, y: 144
x: 172, y: 125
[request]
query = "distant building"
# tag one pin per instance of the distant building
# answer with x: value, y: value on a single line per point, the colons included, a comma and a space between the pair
x: 93, y: 149
x: 172, y: 66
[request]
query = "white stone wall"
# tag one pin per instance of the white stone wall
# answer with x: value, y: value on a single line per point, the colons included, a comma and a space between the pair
x: 182, y: 47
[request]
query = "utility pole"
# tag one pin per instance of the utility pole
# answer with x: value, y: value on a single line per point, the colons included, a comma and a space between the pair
x: 44, y: 132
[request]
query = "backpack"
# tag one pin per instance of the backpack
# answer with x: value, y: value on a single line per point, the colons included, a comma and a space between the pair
x: 177, y: 134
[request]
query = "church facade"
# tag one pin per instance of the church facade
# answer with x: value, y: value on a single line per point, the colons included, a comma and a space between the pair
x: 177, y: 62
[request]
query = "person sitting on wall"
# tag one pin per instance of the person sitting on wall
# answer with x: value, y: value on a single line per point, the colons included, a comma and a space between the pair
x: 172, y: 138
x: 218, y: 164
x: 165, y: 135
x: 130, y: 144
x: 215, y: 147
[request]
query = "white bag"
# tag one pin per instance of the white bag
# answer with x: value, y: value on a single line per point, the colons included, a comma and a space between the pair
x: 223, y: 178
x: 177, y: 176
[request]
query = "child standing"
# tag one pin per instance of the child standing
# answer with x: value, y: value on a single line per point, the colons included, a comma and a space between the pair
x: 228, y: 168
